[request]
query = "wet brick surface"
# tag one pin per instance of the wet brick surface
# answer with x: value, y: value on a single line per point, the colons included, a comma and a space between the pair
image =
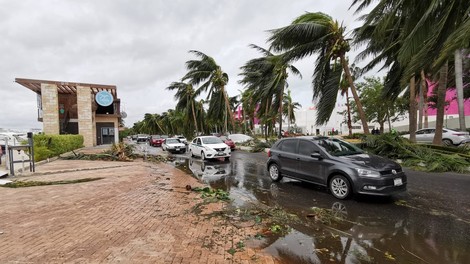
x: 138, y: 213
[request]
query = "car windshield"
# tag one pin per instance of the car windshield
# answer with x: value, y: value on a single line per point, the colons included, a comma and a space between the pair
x: 212, y: 140
x: 338, y: 148
x: 172, y: 141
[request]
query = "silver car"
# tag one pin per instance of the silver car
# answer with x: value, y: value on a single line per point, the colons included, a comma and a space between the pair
x: 173, y: 145
x: 449, y: 137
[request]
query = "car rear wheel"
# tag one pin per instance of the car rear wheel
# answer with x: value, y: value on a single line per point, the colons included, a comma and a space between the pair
x: 447, y: 142
x: 340, y: 187
x: 191, y: 152
x: 274, y: 172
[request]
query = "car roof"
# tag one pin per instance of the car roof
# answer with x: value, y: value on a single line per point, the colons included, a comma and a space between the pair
x: 313, y: 138
x: 207, y: 137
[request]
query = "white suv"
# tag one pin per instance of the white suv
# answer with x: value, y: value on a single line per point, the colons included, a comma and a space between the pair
x: 209, y: 147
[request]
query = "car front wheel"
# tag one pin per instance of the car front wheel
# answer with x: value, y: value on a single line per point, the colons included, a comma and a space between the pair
x: 274, y: 172
x: 340, y: 187
x: 203, y: 155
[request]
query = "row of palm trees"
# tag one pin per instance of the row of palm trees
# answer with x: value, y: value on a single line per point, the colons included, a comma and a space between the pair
x: 411, y: 39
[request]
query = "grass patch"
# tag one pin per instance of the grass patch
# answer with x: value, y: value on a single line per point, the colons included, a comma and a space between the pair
x: 21, y: 184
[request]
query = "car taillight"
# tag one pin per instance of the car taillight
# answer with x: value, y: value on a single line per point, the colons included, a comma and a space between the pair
x: 269, y: 153
x: 459, y: 134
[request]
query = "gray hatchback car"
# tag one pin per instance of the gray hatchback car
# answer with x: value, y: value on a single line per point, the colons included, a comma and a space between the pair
x: 340, y: 166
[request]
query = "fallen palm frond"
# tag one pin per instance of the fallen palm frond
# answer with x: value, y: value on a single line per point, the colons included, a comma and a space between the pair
x: 19, y: 184
x: 418, y: 156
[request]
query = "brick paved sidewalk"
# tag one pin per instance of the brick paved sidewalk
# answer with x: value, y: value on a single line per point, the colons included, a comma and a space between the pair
x: 139, y: 213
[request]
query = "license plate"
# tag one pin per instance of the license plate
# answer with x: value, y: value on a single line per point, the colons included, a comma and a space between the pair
x: 221, y: 153
x: 397, y: 182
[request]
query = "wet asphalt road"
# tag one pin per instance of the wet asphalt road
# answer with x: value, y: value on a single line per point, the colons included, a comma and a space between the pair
x: 430, y: 223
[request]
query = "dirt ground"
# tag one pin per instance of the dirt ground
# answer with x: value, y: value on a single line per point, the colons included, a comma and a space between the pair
x: 138, y: 212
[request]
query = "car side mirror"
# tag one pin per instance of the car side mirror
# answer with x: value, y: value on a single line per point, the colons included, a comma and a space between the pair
x: 316, y: 155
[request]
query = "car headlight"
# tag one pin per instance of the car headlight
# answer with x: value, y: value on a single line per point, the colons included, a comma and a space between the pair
x: 367, y: 173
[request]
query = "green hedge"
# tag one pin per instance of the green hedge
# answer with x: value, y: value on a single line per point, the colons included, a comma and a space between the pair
x: 47, y: 146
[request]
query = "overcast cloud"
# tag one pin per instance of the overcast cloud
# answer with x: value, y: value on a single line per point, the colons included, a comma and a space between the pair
x: 139, y: 46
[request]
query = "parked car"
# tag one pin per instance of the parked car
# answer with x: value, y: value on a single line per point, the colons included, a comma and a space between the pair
x: 338, y: 165
x: 450, y: 137
x: 209, y: 147
x: 142, y: 138
x: 173, y: 145
x: 182, y: 139
x: 239, y: 138
x: 229, y: 142
x: 157, y: 140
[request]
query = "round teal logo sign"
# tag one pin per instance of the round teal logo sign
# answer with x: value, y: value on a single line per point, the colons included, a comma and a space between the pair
x: 104, y: 98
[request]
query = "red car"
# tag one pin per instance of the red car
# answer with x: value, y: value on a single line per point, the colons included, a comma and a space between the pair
x: 229, y: 142
x: 157, y: 140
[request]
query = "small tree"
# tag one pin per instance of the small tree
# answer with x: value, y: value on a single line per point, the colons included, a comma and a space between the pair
x: 376, y: 107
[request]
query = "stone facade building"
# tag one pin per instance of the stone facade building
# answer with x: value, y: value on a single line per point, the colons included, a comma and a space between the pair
x: 91, y: 110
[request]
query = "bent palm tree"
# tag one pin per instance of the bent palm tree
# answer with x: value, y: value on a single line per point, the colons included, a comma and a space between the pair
x: 267, y: 75
x: 289, y: 109
x: 211, y: 77
x: 318, y: 33
x: 186, y: 97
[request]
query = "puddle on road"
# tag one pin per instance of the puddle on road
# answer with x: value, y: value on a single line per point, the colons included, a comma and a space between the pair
x: 360, y: 230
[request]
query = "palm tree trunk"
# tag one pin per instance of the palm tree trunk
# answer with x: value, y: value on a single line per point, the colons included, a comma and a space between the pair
x: 362, y: 115
x: 412, y: 114
x: 421, y: 103
x: 280, y: 108
x: 441, y: 95
x: 459, y: 87
x: 194, y: 117
x: 288, y: 116
x: 425, y: 99
x: 227, y: 104
x: 389, y: 121
x: 349, y: 114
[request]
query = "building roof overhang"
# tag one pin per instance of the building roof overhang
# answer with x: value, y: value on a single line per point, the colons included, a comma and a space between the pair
x: 66, y: 87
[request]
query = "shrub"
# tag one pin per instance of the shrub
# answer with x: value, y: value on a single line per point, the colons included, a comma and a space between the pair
x: 46, y: 146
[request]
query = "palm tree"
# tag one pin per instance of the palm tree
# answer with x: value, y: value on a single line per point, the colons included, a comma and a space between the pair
x: 318, y: 33
x: 206, y: 73
x: 289, y: 109
x: 421, y: 34
x: 344, y: 90
x: 267, y: 75
x: 186, y: 99
x: 248, y: 103
x: 151, y: 124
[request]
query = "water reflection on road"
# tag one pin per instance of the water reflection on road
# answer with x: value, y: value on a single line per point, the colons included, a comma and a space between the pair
x: 360, y: 230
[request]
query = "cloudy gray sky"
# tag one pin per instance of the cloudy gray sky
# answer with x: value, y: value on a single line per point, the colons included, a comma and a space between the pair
x: 140, y: 46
